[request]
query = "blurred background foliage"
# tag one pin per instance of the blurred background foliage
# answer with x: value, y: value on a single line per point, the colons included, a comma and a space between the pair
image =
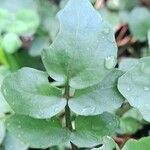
x: 28, y: 26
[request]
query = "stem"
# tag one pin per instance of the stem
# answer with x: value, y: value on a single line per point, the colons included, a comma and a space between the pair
x: 68, y: 115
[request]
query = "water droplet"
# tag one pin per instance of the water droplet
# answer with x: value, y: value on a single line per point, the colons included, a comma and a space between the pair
x: 13, y: 103
x: 88, y: 48
x: 88, y: 109
x: 128, y: 89
x: 56, y: 109
x: 103, y: 37
x: 19, y: 126
x: 5, y: 91
x: 110, y: 62
x: 19, y: 135
x: 106, y: 30
x: 146, y: 88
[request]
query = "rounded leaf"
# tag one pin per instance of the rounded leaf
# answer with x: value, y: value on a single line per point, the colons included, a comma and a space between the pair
x: 84, y: 50
x: 134, y: 85
x: 90, y: 130
x: 142, y: 144
x: 11, y: 42
x: 99, y: 98
x: 37, y: 133
x: 28, y: 92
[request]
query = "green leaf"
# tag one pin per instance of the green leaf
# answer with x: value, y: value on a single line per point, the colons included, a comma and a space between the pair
x: 128, y: 4
x: 28, y: 92
x: 69, y: 57
x: 47, y: 11
x: 2, y: 131
x: 90, y: 130
x: 135, y: 87
x: 127, y: 63
x: 142, y: 144
x: 129, y: 125
x: 11, y: 42
x: 4, y: 19
x: 108, y: 144
x: 37, y: 133
x: 149, y: 39
x: 140, y: 25
x: 38, y: 44
x: 98, y: 98
x: 30, y: 19
x: 12, y: 143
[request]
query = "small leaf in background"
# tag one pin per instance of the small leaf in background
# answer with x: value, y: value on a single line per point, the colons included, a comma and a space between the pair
x: 11, y: 43
x: 127, y: 63
x: 128, y: 4
x: 13, y: 143
x: 30, y: 19
x: 37, y: 133
x: 2, y: 131
x: 108, y: 144
x: 29, y: 92
x: 139, y: 24
x: 69, y: 57
x: 131, y: 121
x: 142, y: 144
x: 47, y: 11
x: 91, y: 129
x: 99, y: 98
x: 134, y: 85
x: 4, y: 19
x: 38, y: 45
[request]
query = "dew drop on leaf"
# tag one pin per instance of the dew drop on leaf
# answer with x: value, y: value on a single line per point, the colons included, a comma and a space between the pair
x: 19, y: 126
x: 88, y: 108
x: 110, y: 62
x: 146, y: 88
x: 106, y: 31
x: 128, y: 89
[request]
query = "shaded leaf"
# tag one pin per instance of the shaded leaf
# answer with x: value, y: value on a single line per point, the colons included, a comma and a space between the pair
x: 37, y: 133
x: 99, y: 98
x: 135, y: 87
x: 28, y: 92
x: 90, y: 130
x: 142, y: 144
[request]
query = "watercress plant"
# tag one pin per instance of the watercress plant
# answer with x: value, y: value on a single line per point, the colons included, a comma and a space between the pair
x: 81, y: 59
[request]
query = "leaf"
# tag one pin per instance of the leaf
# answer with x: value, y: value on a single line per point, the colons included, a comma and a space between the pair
x: 140, y: 25
x: 4, y: 19
x: 129, y: 125
x: 18, y: 5
x: 90, y: 130
x: 142, y: 144
x: 83, y: 35
x: 12, y: 143
x: 149, y: 39
x: 28, y: 92
x: 2, y: 131
x: 38, y: 44
x: 4, y: 107
x: 135, y: 87
x: 127, y: 63
x: 98, y: 98
x: 128, y: 5
x: 11, y: 43
x: 37, y: 133
x: 47, y: 11
x: 108, y: 144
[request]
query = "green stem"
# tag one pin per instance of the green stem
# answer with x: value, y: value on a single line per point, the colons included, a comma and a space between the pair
x: 68, y: 114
